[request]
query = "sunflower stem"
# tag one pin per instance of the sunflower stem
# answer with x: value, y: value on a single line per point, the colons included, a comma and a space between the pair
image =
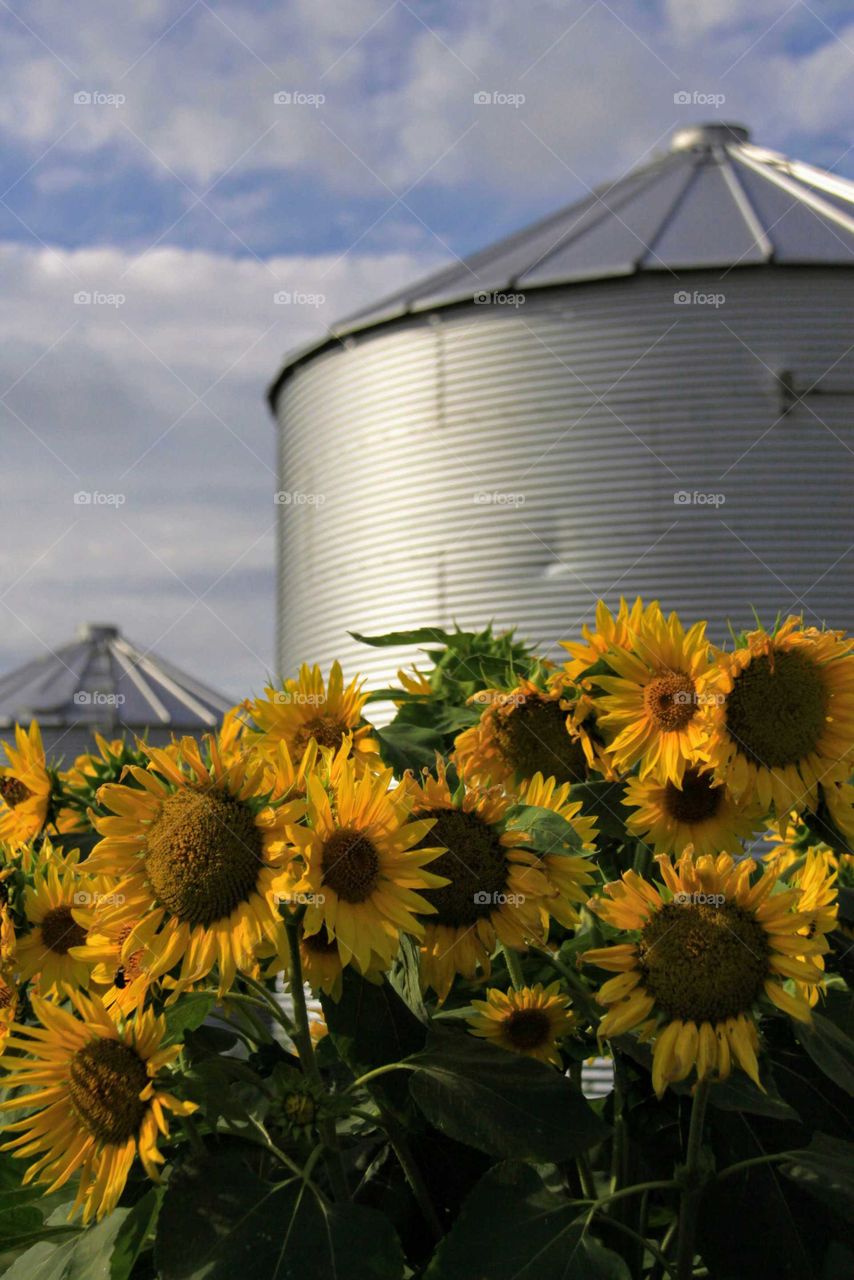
x: 401, y: 1148
x: 305, y: 1049
x: 361, y: 1081
x: 755, y: 1160
x: 692, y: 1187
x: 514, y: 967
x: 579, y: 992
x: 268, y: 1000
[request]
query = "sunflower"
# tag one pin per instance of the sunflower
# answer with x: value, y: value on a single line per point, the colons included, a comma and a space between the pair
x: 309, y: 710
x: 701, y: 813
x: 8, y: 1003
x: 569, y: 875
x: 494, y: 888
x: 203, y: 841
x: 99, y: 1102
x: 654, y: 704
x: 819, y: 900
x: 361, y: 872
x: 521, y: 732
x: 529, y: 1021
x: 785, y: 722
x: 708, y: 946
x: 89, y: 771
x: 613, y: 631
x: 120, y: 968
x: 26, y: 788
x: 59, y: 888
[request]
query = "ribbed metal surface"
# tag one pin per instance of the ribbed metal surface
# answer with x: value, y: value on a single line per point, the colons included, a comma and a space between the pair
x: 582, y: 413
x: 101, y: 681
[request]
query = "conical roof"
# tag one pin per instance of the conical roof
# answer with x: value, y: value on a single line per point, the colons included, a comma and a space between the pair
x: 714, y: 200
x: 102, y: 679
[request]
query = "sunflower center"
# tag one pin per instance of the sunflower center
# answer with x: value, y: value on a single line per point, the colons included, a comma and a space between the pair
x: 203, y: 855
x: 703, y: 962
x: 533, y: 737
x: 300, y: 1108
x: 527, y: 1028
x: 327, y: 731
x: 60, y: 931
x: 105, y: 1080
x: 351, y: 865
x: 698, y: 801
x: 669, y: 700
x: 14, y: 792
x: 475, y: 864
x: 777, y: 709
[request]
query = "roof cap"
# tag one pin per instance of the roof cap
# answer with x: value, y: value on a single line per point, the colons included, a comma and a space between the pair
x: 716, y: 134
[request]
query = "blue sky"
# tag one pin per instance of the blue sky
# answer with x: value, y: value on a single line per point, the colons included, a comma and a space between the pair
x: 181, y: 196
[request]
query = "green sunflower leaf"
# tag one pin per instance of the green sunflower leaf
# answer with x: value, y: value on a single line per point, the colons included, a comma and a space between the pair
x: 512, y: 1227
x: 826, y: 1169
x: 500, y: 1102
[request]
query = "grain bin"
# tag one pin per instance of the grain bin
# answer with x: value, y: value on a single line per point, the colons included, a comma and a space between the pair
x: 648, y: 392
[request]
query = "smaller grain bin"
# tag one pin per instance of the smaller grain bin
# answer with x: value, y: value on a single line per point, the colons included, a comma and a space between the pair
x: 648, y: 392
x: 100, y: 681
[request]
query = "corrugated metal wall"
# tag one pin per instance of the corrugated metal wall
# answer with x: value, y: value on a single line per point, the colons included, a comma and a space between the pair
x: 581, y: 414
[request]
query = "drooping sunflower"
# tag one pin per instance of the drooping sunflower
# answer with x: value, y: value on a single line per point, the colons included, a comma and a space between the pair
x: 495, y: 889
x: 707, y: 946
x: 309, y: 709
x: 785, y: 722
x: 59, y: 888
x: 701, y: 813
x: 612, y: 631
x: 323, y: 965
x: 99, y: 1102
x: 819, y: 901
x: 202, y: 838
x: 569, y: 875
x: 654, y: 705
x: 26, y: 788
x: 528, y: 1020
x: 523, y: 731
x: 363, y: 862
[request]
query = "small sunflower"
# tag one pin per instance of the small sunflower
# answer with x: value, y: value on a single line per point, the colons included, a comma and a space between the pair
x: 119, y: 967
x: 569, y: 875
x: 707, y: 947
x: 654, y: 704
x: 701, y: 813
x: 612, y: 631
x: 99, y: 1101
x: 202, y: 839
x: 529, y: 1021
x: 309, y: 709
x: 523, y: 731
x: 363, y: 862
x: 819, y: 901
x: 26, y: 788
x: 59, y: 888
x: 785, y: 722
x: 494, y: 888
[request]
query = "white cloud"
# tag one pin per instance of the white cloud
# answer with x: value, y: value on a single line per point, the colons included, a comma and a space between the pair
x: 94, y: 395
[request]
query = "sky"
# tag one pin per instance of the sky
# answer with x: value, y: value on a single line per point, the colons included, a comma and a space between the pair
x: 169, y: 171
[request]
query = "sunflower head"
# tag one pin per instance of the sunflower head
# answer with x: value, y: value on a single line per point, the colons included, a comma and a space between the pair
x: 311, y: 710
x: 701, y: 954
x: 26, y: 788
x: 784, y: 721
x: 528, y: 1021
x: 699, y: 813
x: 99, y: 1101
x: 51, y: 906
